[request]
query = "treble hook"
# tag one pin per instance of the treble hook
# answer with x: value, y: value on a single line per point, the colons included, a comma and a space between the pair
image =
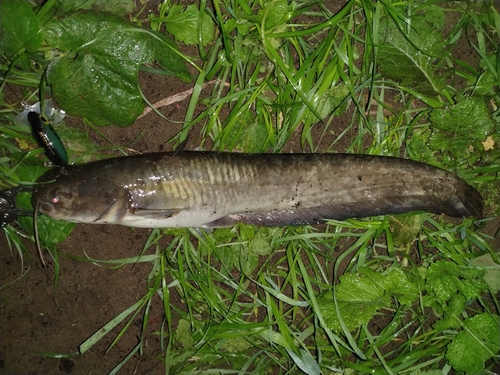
x: 8, y: 210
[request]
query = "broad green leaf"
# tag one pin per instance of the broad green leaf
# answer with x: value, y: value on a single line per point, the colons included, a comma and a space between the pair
x: 242, y: 252
x: 364, y: 285
x: 479, y: 341
x: 491, y: 269
x: 228, y: 256
x: 354, y: 313
x: 248, y: 134
x: 19, y: 28
x: 183, y: 334
x: 261, y: 243
x: 120, y: 7
x: 236, y: 345
x: 457, y: 128
x: 247, y: 260
x: 226, y: 251
x: 409, y: 58
x: 405, y: 229
x: 77, y: 143
x: 275, y: 13
x: 361, y: 294
x: 452, y: 316
x: 223, y: 235
x: 51, y: 232
x: 97, y: 88
x: 183, y: 24
x: 418, y: 147
x: 402, y: 285
x: 486, y: 83
x: 259, y: 238
x: 434, y: 14
x: 238, y: 256
x: 446, y: 279
x: 97, y: 77
x: 333, y: 100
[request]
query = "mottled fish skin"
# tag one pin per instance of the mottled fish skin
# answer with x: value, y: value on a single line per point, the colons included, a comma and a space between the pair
x: 210, y: 189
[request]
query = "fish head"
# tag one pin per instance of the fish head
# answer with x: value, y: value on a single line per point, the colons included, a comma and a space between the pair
x: 72, y: 194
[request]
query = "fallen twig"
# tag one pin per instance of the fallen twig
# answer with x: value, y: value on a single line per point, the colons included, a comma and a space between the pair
x: 175, y: 98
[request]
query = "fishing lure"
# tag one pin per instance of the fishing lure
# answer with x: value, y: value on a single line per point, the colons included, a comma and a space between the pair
x: 46, y: 137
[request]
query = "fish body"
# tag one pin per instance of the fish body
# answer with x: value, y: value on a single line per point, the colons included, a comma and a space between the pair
x: 210, y: 189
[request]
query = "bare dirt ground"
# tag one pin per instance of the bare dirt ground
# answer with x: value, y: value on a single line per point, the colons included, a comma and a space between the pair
x: 38, y: 322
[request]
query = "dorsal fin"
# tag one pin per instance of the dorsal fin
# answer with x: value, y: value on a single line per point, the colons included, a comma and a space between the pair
x: 181, y: 146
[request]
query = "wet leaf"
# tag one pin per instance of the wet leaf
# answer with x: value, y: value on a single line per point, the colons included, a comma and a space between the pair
x: 183, y: 334
x: 479, y: 341
x: 444, y: 280
x: 78, y: 144
x: 405, y: 229
x: 457, y: 128
x: 331, y: 101
x: 14, y: 35
x: 248, y: 134
x: 452, y: 316
x: 361, y: 294
x: 261, y: 243
x: 409, y: 58
x: 183, y: 24
x: 236, y: 345
x: 275, y: 13
x: 119, y: 7
x: 97, y: 76
x: 491, y: 271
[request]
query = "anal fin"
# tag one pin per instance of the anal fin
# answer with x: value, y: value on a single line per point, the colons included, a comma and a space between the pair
x: 270, y: 219
x: 315, y: 215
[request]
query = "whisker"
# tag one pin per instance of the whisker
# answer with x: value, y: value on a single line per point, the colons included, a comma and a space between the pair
x: 37, y: 239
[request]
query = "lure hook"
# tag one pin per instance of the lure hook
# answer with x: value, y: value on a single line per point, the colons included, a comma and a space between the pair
x: 9, y: 212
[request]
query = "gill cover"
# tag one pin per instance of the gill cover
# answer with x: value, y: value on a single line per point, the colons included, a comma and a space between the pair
x: 65, y: 193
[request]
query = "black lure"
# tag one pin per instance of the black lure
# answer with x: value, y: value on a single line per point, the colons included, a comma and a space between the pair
x: 46, y: 137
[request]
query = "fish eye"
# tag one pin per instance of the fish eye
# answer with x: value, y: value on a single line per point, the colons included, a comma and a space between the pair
x: 58, y: 195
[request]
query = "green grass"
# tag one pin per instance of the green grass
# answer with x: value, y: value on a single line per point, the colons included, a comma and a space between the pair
x: 260, y: 300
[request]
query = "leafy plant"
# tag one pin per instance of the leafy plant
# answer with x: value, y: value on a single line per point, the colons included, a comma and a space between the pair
x: 409, y: 53
x: 95, y: 79
x: 89, y: 75
x: 459, y: 129
x: 477, y: 342
x: 360, y: 295
x: 188, y: 25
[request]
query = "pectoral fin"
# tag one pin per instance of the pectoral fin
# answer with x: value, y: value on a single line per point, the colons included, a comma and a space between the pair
x: 113, y: 214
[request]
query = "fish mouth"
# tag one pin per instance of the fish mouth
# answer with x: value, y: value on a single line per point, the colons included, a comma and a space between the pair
x: 46, y: 208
